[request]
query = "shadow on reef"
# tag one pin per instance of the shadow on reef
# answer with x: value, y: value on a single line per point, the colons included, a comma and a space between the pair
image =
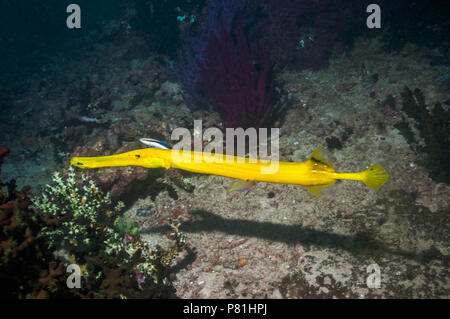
x: 360, y: 244
x: 189, y: 259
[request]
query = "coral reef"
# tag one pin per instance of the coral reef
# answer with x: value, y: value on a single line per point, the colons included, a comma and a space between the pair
x: 22, y: 251
x: 107, y: 247
x: 430, y: 29
x: 27, y: 267
x: 72, y: 213
x: 77, y: 210
x: 158, y: 20
x: 305, y: 33
x: 99, y: 90
x: 433, y: 128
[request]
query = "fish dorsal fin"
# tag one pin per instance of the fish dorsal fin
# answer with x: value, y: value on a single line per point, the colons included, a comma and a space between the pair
x: 316, y: 157
x: 315, y: 189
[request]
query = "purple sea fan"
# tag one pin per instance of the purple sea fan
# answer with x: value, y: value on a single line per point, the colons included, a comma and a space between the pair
x: 239, y: 86
x: 193, y: 56
x: 187, y: 69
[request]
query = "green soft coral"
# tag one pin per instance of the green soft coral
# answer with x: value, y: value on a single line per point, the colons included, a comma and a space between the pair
x: 77, y: 211
x: 80, y: 215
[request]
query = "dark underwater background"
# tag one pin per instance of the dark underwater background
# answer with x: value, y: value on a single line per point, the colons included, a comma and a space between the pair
x: 141, y: 68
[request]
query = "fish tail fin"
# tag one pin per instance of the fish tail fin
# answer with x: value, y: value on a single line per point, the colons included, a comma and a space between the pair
x: 375, y: 176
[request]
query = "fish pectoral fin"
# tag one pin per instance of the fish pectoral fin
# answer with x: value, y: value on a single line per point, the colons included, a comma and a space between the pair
x: 315, y: 189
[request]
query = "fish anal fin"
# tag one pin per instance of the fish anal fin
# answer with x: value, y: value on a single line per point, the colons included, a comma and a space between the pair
x: 315, y: 189
x: 316, y: 157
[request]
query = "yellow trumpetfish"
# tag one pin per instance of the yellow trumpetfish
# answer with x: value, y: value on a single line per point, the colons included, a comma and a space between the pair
x: 314, y: 174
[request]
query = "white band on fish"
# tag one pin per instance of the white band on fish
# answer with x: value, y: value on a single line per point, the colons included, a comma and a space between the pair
x: 151, y: 142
